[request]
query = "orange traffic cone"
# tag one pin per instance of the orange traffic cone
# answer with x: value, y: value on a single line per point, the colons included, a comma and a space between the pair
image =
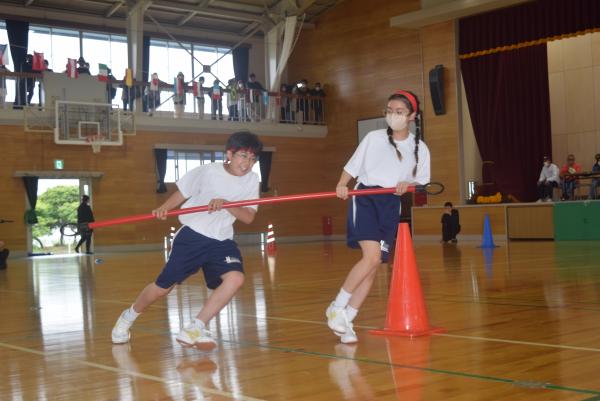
x: 271, y: 246
x: 406, y: 313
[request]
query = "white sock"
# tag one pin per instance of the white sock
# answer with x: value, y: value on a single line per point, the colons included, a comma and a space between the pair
x: 130, y: 314
x: 198, y: 323
x: 351, y: 313
x: 342, y: 299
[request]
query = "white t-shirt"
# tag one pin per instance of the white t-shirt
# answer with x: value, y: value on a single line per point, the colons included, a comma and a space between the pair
x: 375, y: 161
x: 549, y: 173
x: 211, y: 181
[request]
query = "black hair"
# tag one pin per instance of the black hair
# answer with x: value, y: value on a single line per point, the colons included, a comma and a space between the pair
x: 85, y: 199
x: 448, y: 204
x: 244, y: 140
x: 390, y: 132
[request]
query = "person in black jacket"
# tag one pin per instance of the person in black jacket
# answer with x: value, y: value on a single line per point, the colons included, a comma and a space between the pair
x: 84, y: 216
x: 450, y: 223
x: 3, y: 255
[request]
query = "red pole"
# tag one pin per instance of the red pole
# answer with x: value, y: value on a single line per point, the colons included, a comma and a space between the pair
x: 273, y: 199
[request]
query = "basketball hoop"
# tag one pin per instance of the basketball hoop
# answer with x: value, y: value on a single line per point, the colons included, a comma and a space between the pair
x: 95, y: 141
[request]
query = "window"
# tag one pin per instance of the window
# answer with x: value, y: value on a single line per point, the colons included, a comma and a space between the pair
x: 10, y: 83
x: 180, y: 162
x: 167, y: 58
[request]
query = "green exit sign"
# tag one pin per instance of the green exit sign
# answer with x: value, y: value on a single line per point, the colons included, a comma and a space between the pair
x: 59, y: 164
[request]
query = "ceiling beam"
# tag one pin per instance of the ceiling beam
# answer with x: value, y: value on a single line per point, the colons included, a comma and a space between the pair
x: 72, y: 19
x: 28, y: 3
x: 114, y: 9
x: 185, y: 19
x: 239, y: 16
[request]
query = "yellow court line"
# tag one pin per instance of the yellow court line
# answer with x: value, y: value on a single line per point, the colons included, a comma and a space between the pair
x: 136, y: 374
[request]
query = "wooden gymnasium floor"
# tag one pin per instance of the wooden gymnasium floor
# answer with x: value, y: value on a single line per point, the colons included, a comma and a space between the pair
x: 523, y: 324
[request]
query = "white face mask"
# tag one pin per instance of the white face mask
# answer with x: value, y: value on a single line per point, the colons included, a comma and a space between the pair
x: 547, y: 164
x: 397, y: 122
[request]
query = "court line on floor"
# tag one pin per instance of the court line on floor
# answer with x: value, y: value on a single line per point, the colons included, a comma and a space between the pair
x: 546, y: 386
x: 140, y: 375
x: 466, y: 337
x: 301, y: 351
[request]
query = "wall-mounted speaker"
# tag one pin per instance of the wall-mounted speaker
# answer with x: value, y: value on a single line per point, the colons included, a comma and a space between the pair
x: 436, y: 87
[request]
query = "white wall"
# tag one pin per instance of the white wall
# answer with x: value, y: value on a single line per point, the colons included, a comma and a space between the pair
x: 574, y: 80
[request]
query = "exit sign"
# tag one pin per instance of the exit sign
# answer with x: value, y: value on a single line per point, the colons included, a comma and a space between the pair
x: 59, y: 164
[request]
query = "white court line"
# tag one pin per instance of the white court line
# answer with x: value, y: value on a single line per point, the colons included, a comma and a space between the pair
x: 135, y: 374
x: 475, y: 338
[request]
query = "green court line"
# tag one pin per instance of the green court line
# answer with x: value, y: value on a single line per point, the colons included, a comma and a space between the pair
x: 301, y: 351
x: 592, y: 399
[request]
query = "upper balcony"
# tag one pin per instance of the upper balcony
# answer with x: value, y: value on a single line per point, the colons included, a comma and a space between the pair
x: 30, y: 100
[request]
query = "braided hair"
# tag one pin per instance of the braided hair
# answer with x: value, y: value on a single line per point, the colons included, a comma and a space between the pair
x: 411, y: 101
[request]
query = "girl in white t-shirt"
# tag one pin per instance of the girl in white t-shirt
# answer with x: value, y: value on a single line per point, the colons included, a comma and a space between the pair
x: 394, y: 157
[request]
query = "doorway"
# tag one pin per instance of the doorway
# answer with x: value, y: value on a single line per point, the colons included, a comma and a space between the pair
x: 57, y: 202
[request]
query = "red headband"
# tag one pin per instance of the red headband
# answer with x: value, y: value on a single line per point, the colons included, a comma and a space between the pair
x: 411, y: 98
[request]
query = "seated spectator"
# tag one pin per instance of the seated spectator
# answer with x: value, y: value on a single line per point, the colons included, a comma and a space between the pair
x: 450, y: 223
x: 569, y: 183
x: 548, y: 180
x: 594, y: 184
x: 3, y: 256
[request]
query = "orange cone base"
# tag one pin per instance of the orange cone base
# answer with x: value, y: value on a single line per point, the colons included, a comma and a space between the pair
x: 407, y: 333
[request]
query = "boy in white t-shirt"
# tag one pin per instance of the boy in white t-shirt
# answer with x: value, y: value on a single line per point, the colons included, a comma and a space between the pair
x: 205, y: 239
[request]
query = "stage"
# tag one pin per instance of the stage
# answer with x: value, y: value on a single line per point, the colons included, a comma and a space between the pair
x: 569, y: 220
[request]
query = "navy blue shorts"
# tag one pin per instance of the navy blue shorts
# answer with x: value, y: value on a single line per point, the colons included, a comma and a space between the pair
x: 373, y: 218
x: 192, y: 251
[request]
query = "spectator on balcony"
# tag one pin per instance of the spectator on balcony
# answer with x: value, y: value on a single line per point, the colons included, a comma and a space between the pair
x: 232, y: 99
x: 256, y: 90
x: 302, y: 109
x: 3, y: 87
x: 317, y: 104
x: 153, y: 94
x: 179, y: 95
x: 284, y: 104
x: 26, y: 67
x: 242, y: 95
x: 83, y: 67
x: 201, y: 92
x: 216, y: 95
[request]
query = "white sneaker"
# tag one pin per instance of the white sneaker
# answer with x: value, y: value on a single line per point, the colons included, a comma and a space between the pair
x: 349, y: 337
x: 120, y: 333
x: 539, y: 200
x: 336, y: 318
x: 548, y: 200
x: 192, y: 336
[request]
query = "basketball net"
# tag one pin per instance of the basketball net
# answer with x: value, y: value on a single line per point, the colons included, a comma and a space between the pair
x: 95, y: 141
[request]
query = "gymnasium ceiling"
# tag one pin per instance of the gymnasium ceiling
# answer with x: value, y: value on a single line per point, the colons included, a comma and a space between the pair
x: 220, y: 20
x: 230, y: 18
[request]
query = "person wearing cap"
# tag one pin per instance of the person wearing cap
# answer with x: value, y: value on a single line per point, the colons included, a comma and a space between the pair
x: 548, y: 180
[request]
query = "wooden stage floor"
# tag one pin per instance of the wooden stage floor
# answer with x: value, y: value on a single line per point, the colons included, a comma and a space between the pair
x: 523, y: 323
